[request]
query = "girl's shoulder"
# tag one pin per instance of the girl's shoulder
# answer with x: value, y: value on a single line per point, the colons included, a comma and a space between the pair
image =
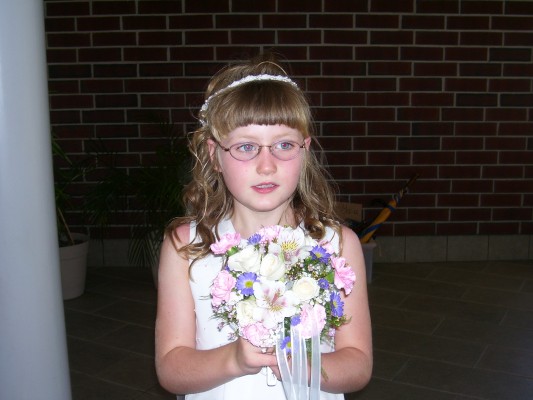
x: 180, y: 234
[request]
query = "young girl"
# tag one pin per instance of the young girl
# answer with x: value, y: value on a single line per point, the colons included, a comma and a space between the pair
x: 253, y: 169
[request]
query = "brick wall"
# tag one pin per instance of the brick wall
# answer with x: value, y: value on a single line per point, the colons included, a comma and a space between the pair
x: 439, y: 88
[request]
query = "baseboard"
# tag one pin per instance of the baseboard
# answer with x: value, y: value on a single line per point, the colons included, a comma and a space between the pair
x: 389, y: 249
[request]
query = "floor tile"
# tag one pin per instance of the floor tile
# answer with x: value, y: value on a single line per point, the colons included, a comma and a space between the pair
x: 509, y: 360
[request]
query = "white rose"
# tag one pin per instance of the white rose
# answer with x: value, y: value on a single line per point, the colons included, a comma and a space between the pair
x: 245, y: 312
x: 306, y: 288
x: 272, y: 267
x: 246, y: 260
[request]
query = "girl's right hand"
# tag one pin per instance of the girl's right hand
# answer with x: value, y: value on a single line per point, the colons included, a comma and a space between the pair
x: 250, y: 359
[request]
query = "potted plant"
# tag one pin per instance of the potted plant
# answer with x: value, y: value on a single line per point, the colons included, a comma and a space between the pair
x: 150, y: 194
x: 73, y: 246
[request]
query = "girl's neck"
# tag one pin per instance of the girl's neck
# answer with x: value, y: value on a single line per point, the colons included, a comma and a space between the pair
x: 247, y: 225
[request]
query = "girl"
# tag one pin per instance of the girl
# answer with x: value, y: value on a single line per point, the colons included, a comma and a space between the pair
x: 253, y: 168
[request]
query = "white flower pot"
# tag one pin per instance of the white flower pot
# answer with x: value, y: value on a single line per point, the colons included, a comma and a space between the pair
x: 73, y: 260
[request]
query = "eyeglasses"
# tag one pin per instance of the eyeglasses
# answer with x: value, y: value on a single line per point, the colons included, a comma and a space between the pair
x: 283, y: 150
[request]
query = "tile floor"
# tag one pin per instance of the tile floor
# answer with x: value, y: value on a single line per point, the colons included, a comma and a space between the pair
x: 442, y: 331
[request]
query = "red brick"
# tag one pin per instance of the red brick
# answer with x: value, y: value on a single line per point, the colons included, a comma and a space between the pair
x: 502, y: 171
x: 391, y: 37
x: 371, y: 84
x: 519, y: 7
x: 389, y: 128
x: 429, y: 214
x: 114, y: 39
x: 465, y: 84
x: 460, y: 172
x: 433, y: 158
x: 349, y: 99
x: 414, y: 229
x: 343, y: 128
x: 434, y: 7
x: 470, y: 214
x: 476, y: 100
x: 237, y: 21
x: 341, y: 36
x: 400, y: 6
x: 146, y: 85
x: 145, y: 54
x: 435, y: 69
x: 159, y: 70
x: 60, y: 24
x: 462, y: 143
x: 66, y: 8
x: 65, y: 71
x: 420, y: 22
x: 171, y: 38
x: 476, y: 128
x: 476, y: 157
x: 500, y: 200
x: 420, y: 84
x: 517, y: 70
x: 332, y: 114
x: 63, y: 86
x: 144, y: 22
x: 511, y: 214
x: 57, y: 56
x: 478, y: 70
x: 371, y: 143
x: 160, y: 7
x: 376, y: 53
x: 418, y: 143
x: 161, y: 100
x: 116, y: 101
x: 481, y: 38
x: 114, y: 70
x: 466, y: 54
x: 516, y: 157
x: 455, y: 228
x: 418, y: 114
x: 389, y: 158
x: 346, y: 6
x: 389, y: 68
x: 300, y: 6
x: 99, y: 55
x: 462, y: 114
x: 482, y: 7
x: 420, y: 53
x: 209, y: 6
x: 202, y: 37
x: 436, y: 38
x: 509, y: 85
x: 369, y: 173
x: 102, y: 86
x: 117, y: 131
x: 98, y: 24
x: 252, y: 6
x: 65, y: 117
x: 377, y: 21
x: 518, y: 38
x: 68, y: 39
x: 511, y: 23
x: 114, y: 7
x: 296, y: 36
x: 432, y: 129
x: 516, y: 100
x: 387, y: 99
x: 188, y: 21
x: 457, y: 200
x: 516, y: 128
x: 331, y: 52
x: 102, y: 116
x: 331, y: 21
x: 510, y: 54
x: 472, y: 186
x: 374, y: 114
x: 346, y: 158
x: 432, y: 99
x: 468, y: 22
x: 506, y: 114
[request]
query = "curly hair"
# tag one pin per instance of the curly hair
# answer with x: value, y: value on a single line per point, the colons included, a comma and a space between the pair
x: 260, y: 102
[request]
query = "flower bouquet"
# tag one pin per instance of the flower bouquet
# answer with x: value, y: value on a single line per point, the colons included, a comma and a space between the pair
x: 281, y: 288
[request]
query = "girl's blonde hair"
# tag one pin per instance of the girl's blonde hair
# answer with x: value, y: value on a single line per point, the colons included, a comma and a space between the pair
x: 260, y: 102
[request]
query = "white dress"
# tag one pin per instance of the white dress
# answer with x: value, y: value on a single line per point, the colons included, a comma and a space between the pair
x: 208, y: 336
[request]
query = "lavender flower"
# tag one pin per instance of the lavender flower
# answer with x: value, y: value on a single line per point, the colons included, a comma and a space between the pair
x: 245, y: 283
x: 320, y: 254
x: 337, y: 306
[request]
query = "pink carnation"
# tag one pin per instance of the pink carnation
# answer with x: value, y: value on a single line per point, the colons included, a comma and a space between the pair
x: 221, y: 288
x: 308, y: 326
x: 344, y: 275
x: 225, y: 243
x: 256, y: 334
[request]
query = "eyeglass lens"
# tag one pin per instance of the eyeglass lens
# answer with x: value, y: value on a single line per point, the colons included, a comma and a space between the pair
x: 283, y: 150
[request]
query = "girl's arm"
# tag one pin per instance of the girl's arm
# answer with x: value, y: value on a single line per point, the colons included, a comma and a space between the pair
x: 180, y: 367
x: 349, y: 367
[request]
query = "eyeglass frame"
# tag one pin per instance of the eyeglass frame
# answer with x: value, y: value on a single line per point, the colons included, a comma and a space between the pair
x: 260, y: 146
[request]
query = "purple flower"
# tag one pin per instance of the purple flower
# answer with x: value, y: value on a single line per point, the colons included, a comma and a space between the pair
x: 286, y: 344
x: 337, y: 306
x: 320, y: 254
x: 255, y: 239
x: 323, y: 283
x: 245, y: 283
x: 295, y: 320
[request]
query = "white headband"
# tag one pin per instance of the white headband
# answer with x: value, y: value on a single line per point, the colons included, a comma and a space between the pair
x: 242, y: 81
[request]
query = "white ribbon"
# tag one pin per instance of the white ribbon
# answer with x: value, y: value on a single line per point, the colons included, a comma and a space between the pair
x: 295, y: 379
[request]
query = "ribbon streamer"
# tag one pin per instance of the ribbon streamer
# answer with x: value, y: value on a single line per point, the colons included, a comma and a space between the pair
x: 295, y: 378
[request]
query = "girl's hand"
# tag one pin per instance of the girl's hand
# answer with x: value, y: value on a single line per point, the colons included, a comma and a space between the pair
x: 249, y: 359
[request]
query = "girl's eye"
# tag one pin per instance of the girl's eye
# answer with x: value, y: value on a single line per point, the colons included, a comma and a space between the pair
x: 246, y: 147
x: 284, y: 146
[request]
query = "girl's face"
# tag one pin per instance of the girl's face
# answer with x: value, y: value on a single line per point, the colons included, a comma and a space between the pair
x: 264, y: 183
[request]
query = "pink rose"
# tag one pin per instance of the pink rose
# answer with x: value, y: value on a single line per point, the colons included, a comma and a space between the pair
x: 221, y: 288
x: 312, y: 320
x: 344, y: 275
x: 225, y: 243
x: 256, y: 334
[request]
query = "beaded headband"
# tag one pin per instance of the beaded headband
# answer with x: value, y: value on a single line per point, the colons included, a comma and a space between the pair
x: 242, y: 81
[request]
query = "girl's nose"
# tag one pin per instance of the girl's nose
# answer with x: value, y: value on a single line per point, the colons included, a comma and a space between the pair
x: 266, y: 162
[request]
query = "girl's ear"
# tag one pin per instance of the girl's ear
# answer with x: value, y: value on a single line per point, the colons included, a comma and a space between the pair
x: 212, y: 153
x: 307, y: 142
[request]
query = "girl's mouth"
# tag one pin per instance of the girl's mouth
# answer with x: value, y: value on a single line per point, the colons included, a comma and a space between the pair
x: 265, y: 187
